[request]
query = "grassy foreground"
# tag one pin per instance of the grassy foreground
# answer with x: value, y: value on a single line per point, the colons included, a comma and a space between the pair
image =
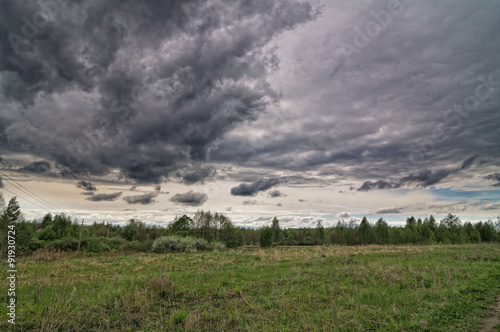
x: 280, y: 289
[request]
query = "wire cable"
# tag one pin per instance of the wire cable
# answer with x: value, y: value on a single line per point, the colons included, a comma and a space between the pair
x: 27, y: 191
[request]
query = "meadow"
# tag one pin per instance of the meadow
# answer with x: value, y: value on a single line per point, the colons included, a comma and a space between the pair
x: 317, y: 288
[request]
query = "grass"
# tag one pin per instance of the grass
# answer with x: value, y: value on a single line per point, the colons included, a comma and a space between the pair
x: 386, y: 288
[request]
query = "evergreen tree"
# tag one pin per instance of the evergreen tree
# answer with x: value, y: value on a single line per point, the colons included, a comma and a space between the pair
x: 382, y: 232
x: 365, y: 232
x: 277, y: 233
x: 13, y: 211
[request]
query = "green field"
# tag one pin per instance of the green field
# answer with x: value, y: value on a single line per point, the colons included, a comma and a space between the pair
x: 386, y: 288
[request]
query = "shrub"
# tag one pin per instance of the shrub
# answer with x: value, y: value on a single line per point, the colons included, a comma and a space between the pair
x: 136, y: 246
x: 35, y: 243
x: 95, y: 244
x: 66, y: 244
x: 115, y: 242
x: 184, y: 244
x: 218, y: 246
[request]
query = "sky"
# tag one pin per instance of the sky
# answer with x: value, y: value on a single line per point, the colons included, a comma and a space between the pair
x: 305, y: 110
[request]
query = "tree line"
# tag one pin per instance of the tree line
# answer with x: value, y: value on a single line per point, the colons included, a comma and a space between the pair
x: 61, y: 232
x: 450, y: 230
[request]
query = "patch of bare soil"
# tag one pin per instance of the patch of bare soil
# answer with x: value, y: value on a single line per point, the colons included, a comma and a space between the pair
x: 489, y: 323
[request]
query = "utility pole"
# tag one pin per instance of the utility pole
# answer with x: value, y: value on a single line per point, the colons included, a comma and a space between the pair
x: 80, y: 238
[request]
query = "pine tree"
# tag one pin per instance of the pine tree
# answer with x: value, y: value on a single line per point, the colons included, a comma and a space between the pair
x: 365, y: 231
x: 277, y: 233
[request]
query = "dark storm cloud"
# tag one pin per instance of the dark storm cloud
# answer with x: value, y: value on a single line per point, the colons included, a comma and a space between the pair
x: 424, y: 178
x: 104, y: 197
x: 190, y: 176
x: 251, y: 189
x: 148, y: 198
x: 86, y: 186
x: 494, y: 177
x: 37, y: 167
x: 152, y: 85
x: 380, y: 184
x: 190, y: 198
x: 467, y: 163
x: 384, y: 113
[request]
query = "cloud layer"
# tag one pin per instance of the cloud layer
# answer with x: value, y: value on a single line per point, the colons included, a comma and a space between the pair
x: 152, y: 85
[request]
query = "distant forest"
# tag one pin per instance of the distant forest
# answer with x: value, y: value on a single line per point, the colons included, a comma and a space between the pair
x: 60, y: 232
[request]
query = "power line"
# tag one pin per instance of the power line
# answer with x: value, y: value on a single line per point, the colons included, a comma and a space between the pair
x: 38, y: 199
x: 13, y: 193
x: 27, y: 191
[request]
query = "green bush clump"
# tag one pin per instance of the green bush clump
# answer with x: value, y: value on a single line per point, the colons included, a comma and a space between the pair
x: 115, y: 242
x: 167, y: 244
x: 95, y: 244
x: 67, y: 243
x: 143, y: 246
x: 35, y: 243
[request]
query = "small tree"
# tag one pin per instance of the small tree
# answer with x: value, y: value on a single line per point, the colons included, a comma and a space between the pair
x: 365, y: 231
x: 266, y: 237
x: 13, y: 211
x: 180, y: 226
x: 9, y: 215
x: 277, y: 233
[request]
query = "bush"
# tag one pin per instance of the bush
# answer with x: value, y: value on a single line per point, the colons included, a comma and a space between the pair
x: 218, y: 246
x: 35, y: 243
x: 167, y: 244
x: 66, y: 244
x: 115, y: 242
x: 96, y: 244
x: 136, y: 246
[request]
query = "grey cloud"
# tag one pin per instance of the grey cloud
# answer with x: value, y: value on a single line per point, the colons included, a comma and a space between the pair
x: 375, y: 122
x: 1, y: 182
x: 489, y: 207
x: 343, y: 215
x: 104, y: 197
x: 424, y: 178
x: 145, y: 199
x: 86, y: 186
x: 87, y: 193
x: 251, y: 189
x: 201, y: 75
x: 389, y: 210
x: 276, y: 193
x: 190, y: 176
x: 467, y: 163
x: 449, y: 208
x: 381, y: 184
x: 250, y: 202
x: 37, y: 167
x: 190, y: 198
x: 494, y: 177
